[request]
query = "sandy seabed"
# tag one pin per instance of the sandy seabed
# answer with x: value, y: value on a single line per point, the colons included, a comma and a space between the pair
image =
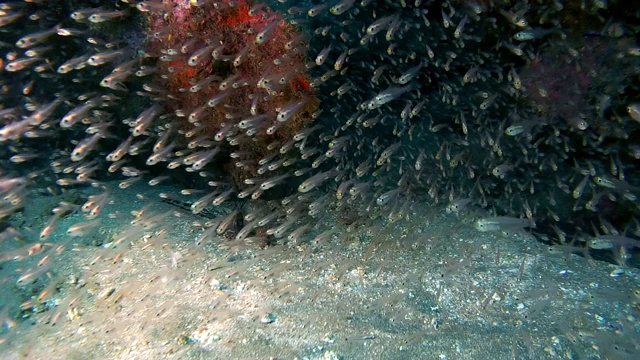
x: 429, y: 286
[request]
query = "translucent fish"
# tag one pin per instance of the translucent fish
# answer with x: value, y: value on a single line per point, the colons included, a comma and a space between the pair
x: 457, y: 206
x: 634, y: 111
x: 503, y: 223
x: 105, y: 57
x: 20, y: 64
x: 289, y: 110
x: 264, y: 35
x: 341, y: 7
x: 102, y: 16
x: 36, y: 38
x: 387, y: 95
x: 84, y: 147
x: 197, y: 57
x: 380, y: 24
x: 604, y: 242
x: 315, y: 181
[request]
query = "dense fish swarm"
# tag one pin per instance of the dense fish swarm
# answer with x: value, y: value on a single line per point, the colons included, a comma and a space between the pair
x: 522, y: 114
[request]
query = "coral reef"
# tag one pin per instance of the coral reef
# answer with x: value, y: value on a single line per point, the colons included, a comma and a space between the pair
x: 516, y: 115
x: 212, y: 57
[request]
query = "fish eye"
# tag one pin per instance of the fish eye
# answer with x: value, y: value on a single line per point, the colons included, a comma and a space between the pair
x: 583, y: 125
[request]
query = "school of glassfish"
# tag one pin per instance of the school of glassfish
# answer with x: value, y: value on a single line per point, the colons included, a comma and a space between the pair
x: 529, y: 111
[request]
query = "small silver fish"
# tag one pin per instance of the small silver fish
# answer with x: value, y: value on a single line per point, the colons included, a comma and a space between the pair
x: 457, y: 206
x: 289, y: 110
x: 341, y: 7
x: 634, y: 111
x: 36, y: 38
x: 103, y: 16
x: 104, y: 57
x: 503, y: 223
x: 380, y: 24
x: 264, y: 35
x: 537, y: 33
x: 612, y: 241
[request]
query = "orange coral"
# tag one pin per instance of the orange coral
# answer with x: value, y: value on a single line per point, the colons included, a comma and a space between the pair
x: 230, y: 32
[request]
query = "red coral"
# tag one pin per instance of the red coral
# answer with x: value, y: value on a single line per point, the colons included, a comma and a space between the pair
x: 231, y: 32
